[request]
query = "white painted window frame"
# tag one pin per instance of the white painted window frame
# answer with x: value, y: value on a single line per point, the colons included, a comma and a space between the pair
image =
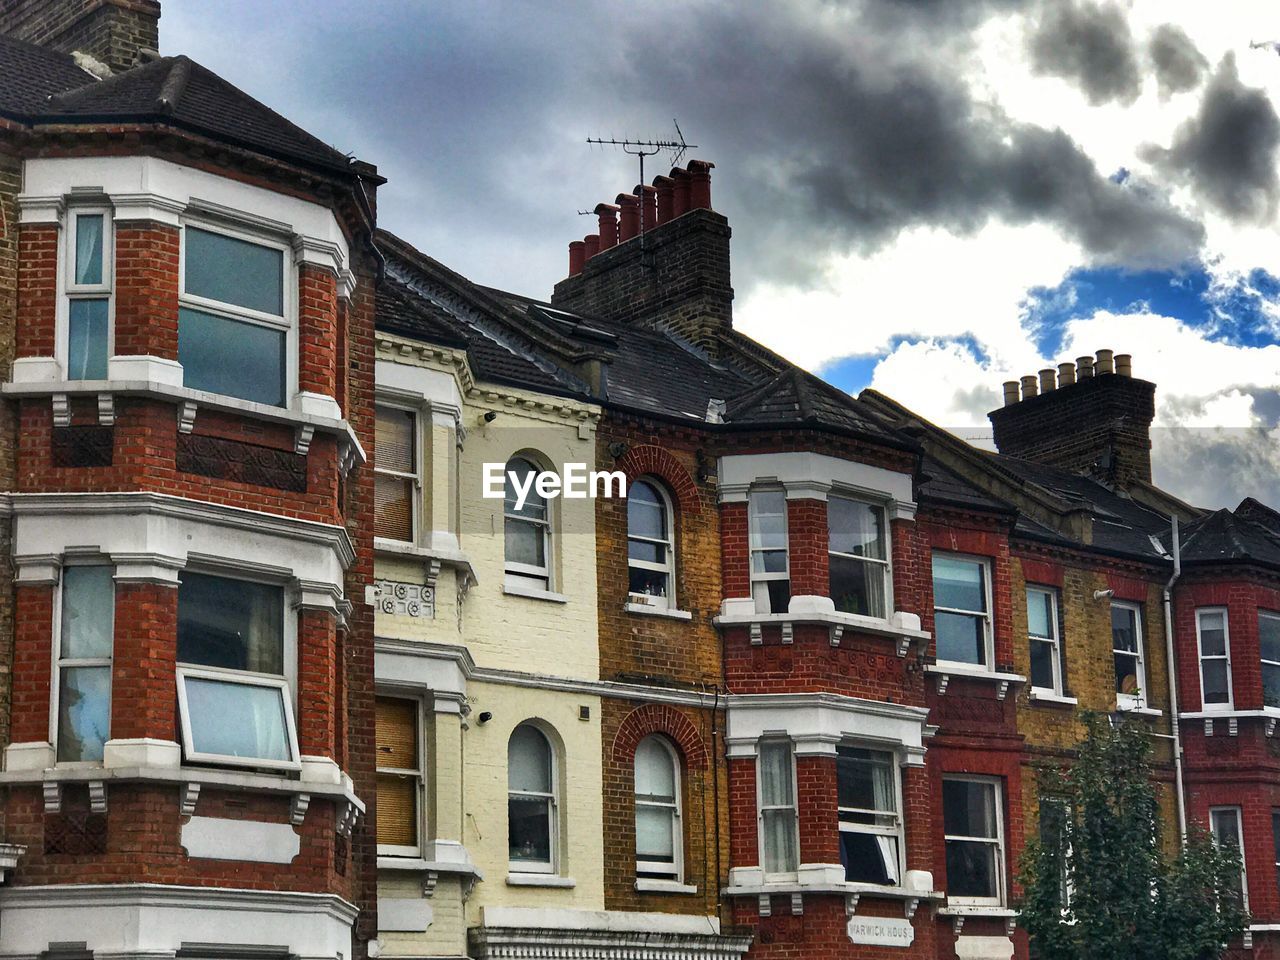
x: 997, y: 788
x: 675, y: 870
x: 419, y: 775
x: 1055, y: 627
x: 1132, y: 701
x: 60, y: 662
x: 752, y: 549
x: 524, y: 574
x: 551, y: 867
x: 1225, y: 656
x: 794, y: 806
x: 243, y: 678
x: 669, y: 568
x: 1238, y: 813
x: 1263, y: 662
x: 288, y: 322
x: 70, y: 290
x: 988, y: 625
x: 419, y: 462
x: 898, y: 830
x: 886, y: 565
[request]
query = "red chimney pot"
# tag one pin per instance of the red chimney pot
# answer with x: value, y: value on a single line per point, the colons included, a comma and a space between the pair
x: 665, y: 187
x: 592, y: 243
x: 577, y: 257
x: 608, y: 215
x: 700, y: 184
x: 680, y: 194
x: 648, y: 206
x: 629, y: 217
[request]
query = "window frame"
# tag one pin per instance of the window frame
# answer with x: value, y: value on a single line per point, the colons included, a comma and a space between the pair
x: 669, y: 568
x: 1225, y: 656
x: 988, y: 620
x: 898, y: 830
x: 764, y: 578
x: 550, y: 867
x: 420, y: 775
x: 1130, y: 701
x: 1264, y: 663
x: 286, y: 322
x: 794, y: 807
x: 673, y: 871
x: 1275, y: 842
x: 1240, y: 845
x: 419, y: 463
x: 60, y: 662
x: 886, y: 564
x: 244, y: 678
x: 70, y: 290
x: 1058, y: 658
x: 996, y: 785
x: 524, y: 574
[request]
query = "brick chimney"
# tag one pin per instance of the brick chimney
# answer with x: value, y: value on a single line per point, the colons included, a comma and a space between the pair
x: 669, y: 266
x: 115, y: 32
x: 1091, y: 417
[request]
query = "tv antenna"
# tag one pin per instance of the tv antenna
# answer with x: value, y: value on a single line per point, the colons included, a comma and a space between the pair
x: 648, y: 148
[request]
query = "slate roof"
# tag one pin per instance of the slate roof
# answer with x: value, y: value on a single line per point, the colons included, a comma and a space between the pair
x: 1248, y: 534
x: 39, y: 86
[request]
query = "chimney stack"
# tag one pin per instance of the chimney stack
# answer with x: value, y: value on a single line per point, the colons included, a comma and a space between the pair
x: 1096, y: 421
x: 119, y: 33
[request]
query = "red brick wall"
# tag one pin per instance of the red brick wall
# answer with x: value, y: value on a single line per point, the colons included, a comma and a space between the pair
x: 146, y: 289
x: 143, y: 681
x: 37, y: 289
x: 32, y: 664
x: 816, y: 807
x: 807, y: 543
x: 317, y: 329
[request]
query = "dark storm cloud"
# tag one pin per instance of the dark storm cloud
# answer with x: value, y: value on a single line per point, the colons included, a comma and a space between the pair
x: 1179, y: 64
x: 1227, y: 151
x: 1215, y: 467
x: 1090, y: 45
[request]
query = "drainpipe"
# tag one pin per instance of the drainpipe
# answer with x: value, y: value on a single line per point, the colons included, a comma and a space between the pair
x: 1173, y: 683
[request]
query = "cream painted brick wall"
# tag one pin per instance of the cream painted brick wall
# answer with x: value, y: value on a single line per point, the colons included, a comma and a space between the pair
x: 447, y: 935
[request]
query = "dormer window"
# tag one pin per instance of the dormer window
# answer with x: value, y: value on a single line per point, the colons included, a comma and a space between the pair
x: 234, y: 317
x: 88, y: 312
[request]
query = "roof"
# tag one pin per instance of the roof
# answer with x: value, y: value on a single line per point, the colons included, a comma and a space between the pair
x: 39, y: 87
x: 795, y: 396
x: 1249, y: 534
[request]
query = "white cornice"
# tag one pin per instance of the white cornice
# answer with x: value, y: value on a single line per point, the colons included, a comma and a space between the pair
x: 599, y: 688
x: 154, y: 894
x: 817, y: 723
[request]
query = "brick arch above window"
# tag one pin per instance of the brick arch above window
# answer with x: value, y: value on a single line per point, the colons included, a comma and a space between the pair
x: 650, y: 460
x: 655, y: 718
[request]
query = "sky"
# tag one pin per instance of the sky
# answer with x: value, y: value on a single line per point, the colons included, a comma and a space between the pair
x: 928, y: 197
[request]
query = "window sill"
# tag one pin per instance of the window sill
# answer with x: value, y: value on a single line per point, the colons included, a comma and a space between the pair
x: 1140, y: 710
x: 945, y: 672
x: 453, y: 558
x: 646, y: 610
x: 664, y: 886
x: 417, y: 864
x: 540, y: 880
x: 1049, y: 699
x: 835, y: 622
x: 532, y: 593
x: 976, y: 910
x: 844, y: 888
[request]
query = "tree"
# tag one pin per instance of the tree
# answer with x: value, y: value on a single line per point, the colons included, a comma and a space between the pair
x: 1097, y: 884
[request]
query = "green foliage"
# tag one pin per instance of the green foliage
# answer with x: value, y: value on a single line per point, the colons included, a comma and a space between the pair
x: 1101, y: 852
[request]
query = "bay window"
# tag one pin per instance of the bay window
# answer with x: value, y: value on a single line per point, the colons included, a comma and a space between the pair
x: 527, y: 529
x: 870, y: 827
x: 85, y: 637
x: 962, y: 609
x: 1126, y: 650
x: 650, y: 544
x: 1275, y: 842
x: 396, y: 477
x: 233, y: 693
x: 1269, y: 652
x: 88, y: 288
x: 233, y: 318
x: 1224, y: 824
x: 659, y: 839
x: 770, y: 570
x: 858, y: 557
x: 974, y: 838
x: 1215, y: 657
x: 779, y: 839
x: 531, y: 801
x: 399, y: 775
x: 1046, y: 640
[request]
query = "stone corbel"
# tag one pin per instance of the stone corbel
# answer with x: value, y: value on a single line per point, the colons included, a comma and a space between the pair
x: 1233, y: 726
x: 837, y: 631
x: 797, y: 904
x: 429, y: 879
x: 190, y: 794
x: 187, y: 416
x: 788, y: 633
x: 106, y: 410
x: 347, y: 819
x: 957, y: 924
x: 943, y: 680
x: 1271, y: 726
x: 298, y: 808
x: 757, y: 635
x: 97, y: 796
x: 433, y: 571
x: 61, y: 410
x: 52, y: 797
x: 904, y: 644
x: 909, y: 907
x: 1208, y: 726
x: 302, y: 441
x: 851, y: 904
x: 1010, y: 924
x: 764, y: 905
x: 1002, y: 690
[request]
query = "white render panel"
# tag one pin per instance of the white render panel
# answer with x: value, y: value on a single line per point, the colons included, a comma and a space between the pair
x: 137, y: 918
x: 984, y: 948
x: 614, y: 921
x: 814, y: 475
x: 818, y: 722
x: 402, y: 915
x: 220, y: 838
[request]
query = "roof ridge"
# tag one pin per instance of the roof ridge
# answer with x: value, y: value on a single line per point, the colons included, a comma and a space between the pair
x: 174, y: 85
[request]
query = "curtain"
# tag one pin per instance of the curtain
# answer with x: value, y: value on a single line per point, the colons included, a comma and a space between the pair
x: 883, y: 793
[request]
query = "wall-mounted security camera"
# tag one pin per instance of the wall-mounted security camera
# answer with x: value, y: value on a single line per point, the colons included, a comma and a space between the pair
x: 491, y: 416
x: 1103, y: 594
x: 485, y: 717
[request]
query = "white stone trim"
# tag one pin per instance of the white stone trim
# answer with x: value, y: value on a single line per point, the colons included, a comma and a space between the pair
x: 251, y: 841
x: 141, y: 752
x: 598, y: 688
x: 421, y: 665
x: 812, y: 476
x: 817, y: 723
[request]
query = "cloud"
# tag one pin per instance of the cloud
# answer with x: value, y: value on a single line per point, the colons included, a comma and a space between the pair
x: 1178, y: 63
x: 1091, y: 45
x: 1227, y: 152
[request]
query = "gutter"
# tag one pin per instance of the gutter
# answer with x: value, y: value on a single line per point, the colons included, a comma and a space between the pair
x: 1173, y: 683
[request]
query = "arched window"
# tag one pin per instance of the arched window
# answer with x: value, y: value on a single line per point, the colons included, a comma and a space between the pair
x: 531, y: 801
x: 650, y: 544
x: 659, y: 839
x: 527, y: 527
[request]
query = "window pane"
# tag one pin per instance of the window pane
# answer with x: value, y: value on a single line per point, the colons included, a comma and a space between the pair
x: 1042, y: 653
x: 961, y: 638
x: 87, y: 340
x: 234, y: 271
x: 769, y: 519
x: 529, y: 829
x: 854, y: 527
x: 779, y: 592
x: 655, y: 834
x: 971, y: 869
x: 646, y: 552
x: 84, y: 712
x: 397, y: 809
x: 868, y: 858
x: 958, y: 584
x: 234, y: 359
x: 655, y: 772
x: 393, y: 440
x: 233, y: 719
x: 969, y: 808
x: 1214, y: 674
x: 396, y: 733
x: 230, y: 623
x: 1039, y: 613
x: 776, y: 786
x: 1127, y: 674
x: 864, y: 779
x: 769, y: 561
x: 88, y: 612
x: 857, y: 586
x: 1269, y: 637
x: 1271, y: 685
x: 529, y: 761
x: 646, y: 512
x: 1213, y: 634
x: 89, y: 248
x: 649, y: 583
x: 526, y: 542
x: 393, y: 507
x: 535, y: 507
x: 779, y: 829
x: 1124, y: 629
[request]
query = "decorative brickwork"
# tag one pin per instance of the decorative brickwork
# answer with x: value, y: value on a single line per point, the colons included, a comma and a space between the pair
x: 242, y: 462
x: 82, y: 445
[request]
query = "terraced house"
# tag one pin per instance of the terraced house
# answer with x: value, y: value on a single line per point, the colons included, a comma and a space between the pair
x: 303, y: 656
